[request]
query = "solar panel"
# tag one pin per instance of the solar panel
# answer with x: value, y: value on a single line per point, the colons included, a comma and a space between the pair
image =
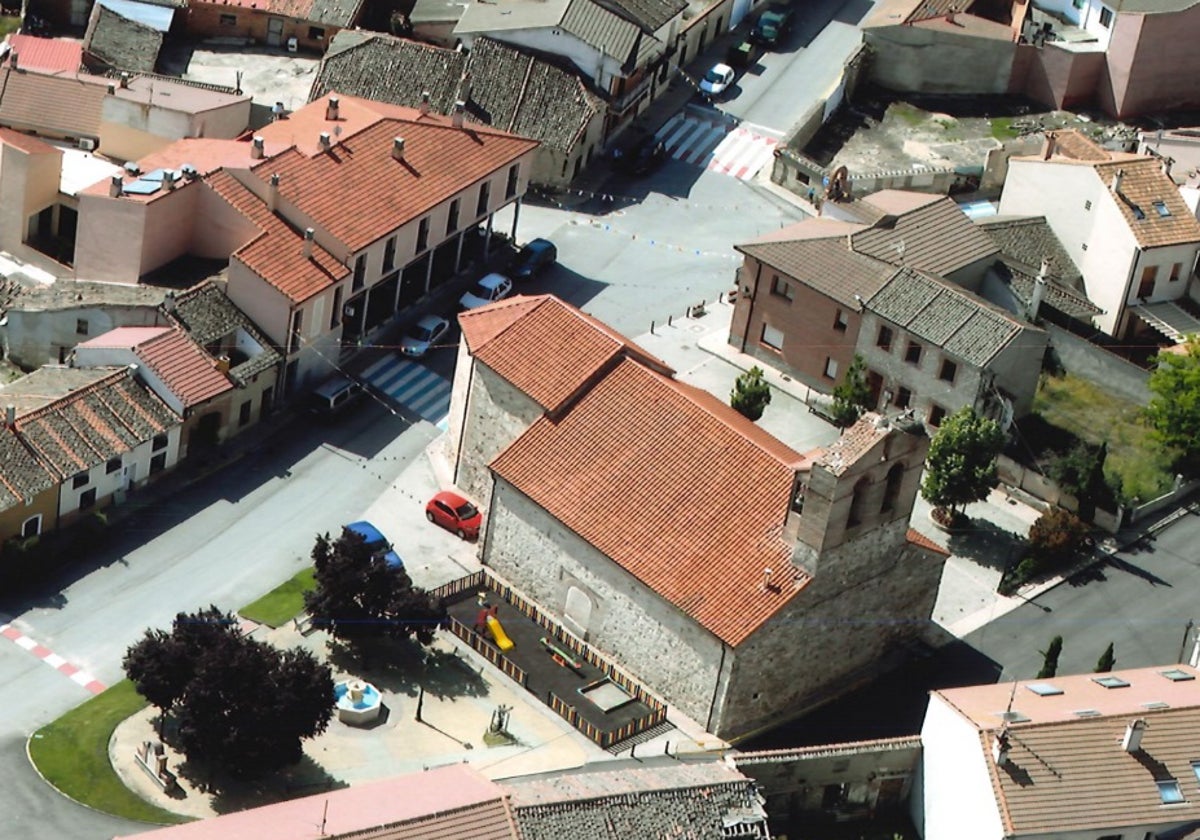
x: 156, y: 175
x: 142, y: 187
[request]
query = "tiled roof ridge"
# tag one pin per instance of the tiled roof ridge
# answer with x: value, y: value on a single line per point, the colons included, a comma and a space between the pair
x: 441, y: 813
x: 822, y: 750
x: 918, y: 539
x: 676, y: 792
x: 88, y: 419
x: 508, y: 303
x: 91, y: 387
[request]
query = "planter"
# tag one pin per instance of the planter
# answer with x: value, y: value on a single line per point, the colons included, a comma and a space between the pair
x: 958, y: 522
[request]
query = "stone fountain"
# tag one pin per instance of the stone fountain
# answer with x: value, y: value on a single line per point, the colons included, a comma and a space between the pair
x: 358, y: 702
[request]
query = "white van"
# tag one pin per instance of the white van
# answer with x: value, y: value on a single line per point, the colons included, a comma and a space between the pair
x: 334, y: 395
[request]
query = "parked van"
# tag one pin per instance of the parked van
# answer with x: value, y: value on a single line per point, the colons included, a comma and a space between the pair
x: 334, y: 395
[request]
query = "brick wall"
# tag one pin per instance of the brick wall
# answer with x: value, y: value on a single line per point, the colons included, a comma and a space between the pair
x: 1152, y: 63
x: 496, y: 415
x: 204, y: 20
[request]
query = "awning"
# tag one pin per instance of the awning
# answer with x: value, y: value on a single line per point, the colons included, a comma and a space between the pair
x: 1170, y: 319
x: 156, y: 17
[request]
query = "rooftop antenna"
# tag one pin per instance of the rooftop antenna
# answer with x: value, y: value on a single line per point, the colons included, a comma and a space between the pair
x: 324, y: 815
x: 1011, y: 696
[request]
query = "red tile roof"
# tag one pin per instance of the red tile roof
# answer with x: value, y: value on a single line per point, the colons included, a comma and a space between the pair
x: 186, y: 370
x: 69, y: 104
x: 359, y: 193
x: 277, y: 255
x: 546, y: 348
x: 918, y: 539
x: 678, y: 489
x: 26, y: 142
x: 54, y: 54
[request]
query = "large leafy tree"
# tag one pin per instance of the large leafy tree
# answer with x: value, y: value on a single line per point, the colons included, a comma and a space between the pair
x: 751, y: 394
x: 358, y: 596
x: 1174, y: 410
x: 961, y: 465
x: 852, y: 396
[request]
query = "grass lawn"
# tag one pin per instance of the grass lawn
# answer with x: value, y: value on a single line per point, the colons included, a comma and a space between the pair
x: 1137, y: 464
x: 72, y: 753
x: 283, y: 603
x: 9, y: 24
x: 1002, y: 128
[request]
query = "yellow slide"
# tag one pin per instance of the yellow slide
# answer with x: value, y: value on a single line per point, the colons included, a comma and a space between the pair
x: 502, y: 640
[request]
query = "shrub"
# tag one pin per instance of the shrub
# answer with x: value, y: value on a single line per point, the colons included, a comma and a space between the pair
x: 1057, y: 539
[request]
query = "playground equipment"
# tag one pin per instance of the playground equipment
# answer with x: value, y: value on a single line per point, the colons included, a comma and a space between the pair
x: 498, y: 634
x: 560, y: 656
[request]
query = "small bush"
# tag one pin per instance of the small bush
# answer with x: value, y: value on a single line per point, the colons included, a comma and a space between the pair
x: 1057, y: 539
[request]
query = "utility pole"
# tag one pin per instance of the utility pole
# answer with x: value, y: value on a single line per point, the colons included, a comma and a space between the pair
x: 1187, y: 631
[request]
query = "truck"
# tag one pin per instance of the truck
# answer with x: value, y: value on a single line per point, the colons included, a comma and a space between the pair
x: 772, y: 25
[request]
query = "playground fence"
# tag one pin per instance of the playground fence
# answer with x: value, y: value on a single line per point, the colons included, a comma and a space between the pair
x: 494, y: 656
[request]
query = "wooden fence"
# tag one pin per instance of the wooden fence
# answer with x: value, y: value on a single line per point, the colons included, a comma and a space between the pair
x: 489, y: 651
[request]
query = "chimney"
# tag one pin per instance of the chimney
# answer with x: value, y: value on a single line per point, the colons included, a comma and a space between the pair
x: 324, y: 141
x: 273, y: 192
x: 222, y: 363
x: 1166, y: 166
x: 1132, y: 742
x: 767, y: 572
x: 459, y: 108
x: 169, y: 180
x: 1051, y: 145
x: 398, y: 148
x: 308, y: 242
x: 1000, y: 748
x: 117, y: 185
x: 10, y: 415
x: 1039, y: 293
x: 1116, y: 180
x: 124, y: 79
x: 424, y: 102
x: 465, y: 87
x: 12, y: 59
x: 258, y: 147
x: 169, y: 302
x: 331, y: 109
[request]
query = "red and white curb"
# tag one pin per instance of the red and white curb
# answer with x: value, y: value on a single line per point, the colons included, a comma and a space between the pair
x: 74, y: 672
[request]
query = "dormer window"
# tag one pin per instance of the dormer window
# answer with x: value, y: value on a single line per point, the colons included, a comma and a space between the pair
x: 1162, y: 209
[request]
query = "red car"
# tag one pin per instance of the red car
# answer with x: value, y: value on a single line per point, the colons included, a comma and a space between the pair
x: 454, y: 513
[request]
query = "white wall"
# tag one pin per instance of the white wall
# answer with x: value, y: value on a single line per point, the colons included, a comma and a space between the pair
x: 107, y: 483
x: 86, y: 357
x: 957, y: 800
x: 602, y: 70
x: 1087, y: 18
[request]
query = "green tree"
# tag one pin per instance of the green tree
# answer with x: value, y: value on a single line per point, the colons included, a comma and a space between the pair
x: 751, y: 394
x: 1050, y: 659
x: 1174, y: 408
x: 852, y: 396
x: 358, y: 596
x: 1058, y: 538
x: 1107, y: 660
x: 961, y: 465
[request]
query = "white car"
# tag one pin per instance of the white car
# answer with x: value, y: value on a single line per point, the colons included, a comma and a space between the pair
x: 489, y: 289
x: 422, y: 335
x: 717, y: 80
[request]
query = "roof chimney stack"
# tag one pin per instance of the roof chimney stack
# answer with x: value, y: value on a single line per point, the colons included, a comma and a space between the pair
x: 424, y: 102
x: 1000, y: 748
x: 10, y: 415
x: 1039, y: 290
x: 1132, y: 742
x: 124, y: 79
x: 331, y: 109
x: 117, y: 185
x: 258, y: 148
x: 309, y: 233
x: 1051, y: 145
x: 273, y: 192
x: 1116, y: 180
x: 398, y: 148
x: 460, y: 108
x: 1166, y: 166
x: 325, y: 141
x: 12, y: 60
x: 169, y: 180
x: 767, y: 572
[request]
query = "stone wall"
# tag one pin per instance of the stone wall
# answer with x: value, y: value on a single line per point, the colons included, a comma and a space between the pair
x: 911, y: 58
x: 496, y: 415
x: 1106, y: 370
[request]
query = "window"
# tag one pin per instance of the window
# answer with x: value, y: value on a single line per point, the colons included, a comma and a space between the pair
x: 772, y: 337
x: 1087, y: 205
x: 244, y: 412
x: 891, y: 489
x: 335, y: 317
x: 1149, y: 276
x: 485, y: 198
x: 1106, y: 17
x: 798, y: 495
x: 514, y: 176
x: 113, y: 465
x: 841, y: 321
x: 32, y: 527
x: 1176, y: 270
x: 936, y: 415
x: 830, y: 367
x: 782, y: 288
x: 316, y: 33
x: 1138, y: 212
x: 903, y: 397
x: 389, y: 254
x: 1162, y: 209
x: 948, y: 372
x: 1169, y: 792
x: 160, y: 442
x: 1044, y: 689
x: 452, y: 218
x: 1196, y: 770
x: 228, y: 20
x: 360, y: 272
x: 87, y: 499
x: 79, y: 480
x: 294, y: 338
x: 912, y: 353
x: 423, y: 234
x: 158, y: 463
x: 81, y: 326
x: 884, y: 339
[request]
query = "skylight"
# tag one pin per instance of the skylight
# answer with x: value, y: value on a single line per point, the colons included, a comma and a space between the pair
x: 1155, y: 705
x: 1196, y: 770
x: 1169, y: 790
x: 1044, y: 689
x: 1087, y: 712
x: 1110, y: 682
x: 1176, y: 675
x: 1162, y: 208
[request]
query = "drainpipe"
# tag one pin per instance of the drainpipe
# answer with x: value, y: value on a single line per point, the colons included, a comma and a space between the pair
x: 712, y: 706
x: 750, y: 310
x: 1124, y: 319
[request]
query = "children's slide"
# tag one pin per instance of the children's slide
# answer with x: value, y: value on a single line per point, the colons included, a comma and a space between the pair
x: 502, y: 640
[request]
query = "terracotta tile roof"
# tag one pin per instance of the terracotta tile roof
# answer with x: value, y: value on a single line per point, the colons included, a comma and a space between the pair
x: 623, y: 466
x: 359, y: 192
x: 91, y: 424
x: 918, y: 539
x: 184, y: 369
x: 826, y: 264
x: 215, y: 323
x: 934, y: 236
x: 58, y: 55
x: 546, y: 348
x: 852, y: 444
x: 385, y: 68
x: 277, y: 254
x: 1074, y: 145
x: 1151, y: 203
x: 446, y: 803
x: 22, y: 475
x: 66, y: 104
x: 119, y: 42
x: 26, y: 143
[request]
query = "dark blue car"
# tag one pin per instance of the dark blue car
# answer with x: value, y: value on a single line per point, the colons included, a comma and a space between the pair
x: 533, y: 259
x: 377, y: 542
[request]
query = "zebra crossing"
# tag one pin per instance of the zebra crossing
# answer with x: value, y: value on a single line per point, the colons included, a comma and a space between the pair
x: 413, y: 386
x: 736, y: 150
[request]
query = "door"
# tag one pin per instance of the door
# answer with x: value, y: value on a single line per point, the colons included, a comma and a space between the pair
x: 274, y: 31
x: 128, y: 475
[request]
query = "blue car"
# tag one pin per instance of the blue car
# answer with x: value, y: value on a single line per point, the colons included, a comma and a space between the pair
x: 377, y: 542
x: 533, y: 259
